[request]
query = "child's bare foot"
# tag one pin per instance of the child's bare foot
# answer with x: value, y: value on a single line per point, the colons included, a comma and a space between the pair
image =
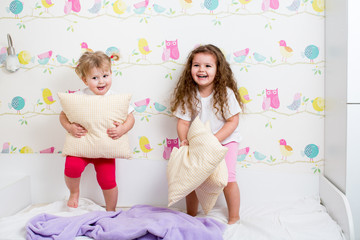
x: 233, y: 220
x: 73, y: 201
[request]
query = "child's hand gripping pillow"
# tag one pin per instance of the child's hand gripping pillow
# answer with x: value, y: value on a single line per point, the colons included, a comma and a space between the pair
x: 96, y: 114
x: 199, y: 166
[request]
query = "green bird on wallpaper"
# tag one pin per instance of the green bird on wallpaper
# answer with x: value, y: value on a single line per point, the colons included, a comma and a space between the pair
x: 15, y: 7
x: 44, y: 57
x: 18, y: 103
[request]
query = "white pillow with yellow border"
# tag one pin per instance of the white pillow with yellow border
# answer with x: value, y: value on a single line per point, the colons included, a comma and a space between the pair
x: 191, y: 167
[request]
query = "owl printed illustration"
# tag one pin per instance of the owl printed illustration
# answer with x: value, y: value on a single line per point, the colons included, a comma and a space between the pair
x: 271, y: 100
x: 171, y: 50
x: 170, y: 144
x: 274, y: 103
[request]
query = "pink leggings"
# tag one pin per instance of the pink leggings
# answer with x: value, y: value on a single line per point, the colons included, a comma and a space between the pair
x: 230, y: 159
x: 104, y: 167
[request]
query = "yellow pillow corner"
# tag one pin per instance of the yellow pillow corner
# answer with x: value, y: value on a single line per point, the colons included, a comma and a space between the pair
x: 96, y: 114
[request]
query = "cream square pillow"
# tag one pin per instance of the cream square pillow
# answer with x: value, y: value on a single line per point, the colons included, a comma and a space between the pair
x: 190, y: 167
x: 96, y: 114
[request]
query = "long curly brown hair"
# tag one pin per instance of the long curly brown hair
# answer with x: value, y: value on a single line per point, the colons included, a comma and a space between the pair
x: 185, y: 92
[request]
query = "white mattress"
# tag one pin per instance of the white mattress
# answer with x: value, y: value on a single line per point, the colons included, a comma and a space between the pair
x: 297, y: 220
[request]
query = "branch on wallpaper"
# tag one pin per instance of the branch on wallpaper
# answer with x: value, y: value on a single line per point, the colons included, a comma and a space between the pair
x: 171, y: 14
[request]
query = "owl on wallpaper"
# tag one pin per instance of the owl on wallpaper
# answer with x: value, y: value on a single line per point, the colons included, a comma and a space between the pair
x: 271, y: 100
x: 267, y: 4
x: 72, y: 5
x: 170, y: 144
x: 171, y: 50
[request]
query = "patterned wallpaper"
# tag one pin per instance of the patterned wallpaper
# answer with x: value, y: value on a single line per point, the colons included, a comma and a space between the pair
x: 275, y: 48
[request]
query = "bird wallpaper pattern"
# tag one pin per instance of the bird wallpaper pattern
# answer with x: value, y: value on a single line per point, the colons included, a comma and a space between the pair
x: 275, y: 49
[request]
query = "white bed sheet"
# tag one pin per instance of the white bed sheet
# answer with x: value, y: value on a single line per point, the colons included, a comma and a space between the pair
x: 305, y: 219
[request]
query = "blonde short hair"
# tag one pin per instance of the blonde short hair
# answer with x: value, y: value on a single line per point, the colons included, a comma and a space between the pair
x: 90, y: 60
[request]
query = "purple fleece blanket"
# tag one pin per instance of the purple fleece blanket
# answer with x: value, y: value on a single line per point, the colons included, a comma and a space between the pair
x: 139, y: 222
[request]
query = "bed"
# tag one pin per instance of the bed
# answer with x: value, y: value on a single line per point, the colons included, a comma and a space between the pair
x: 274, y: 205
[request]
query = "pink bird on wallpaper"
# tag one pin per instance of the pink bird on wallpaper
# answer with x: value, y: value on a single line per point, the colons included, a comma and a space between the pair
x: 267, y: 4
x: 266, y: 103
x: 44, y: 57
x: 48, y: 150
x: 143, y: 102
x: 141, y: 4
x: 73, y: 5
x: 85, y: 47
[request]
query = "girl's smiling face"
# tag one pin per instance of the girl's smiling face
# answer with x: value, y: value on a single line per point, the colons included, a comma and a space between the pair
x: 98, y: 80
x: 203, y: 71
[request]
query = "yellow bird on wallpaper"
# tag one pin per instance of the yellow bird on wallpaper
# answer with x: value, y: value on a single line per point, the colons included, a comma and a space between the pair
x: 185, y: 4
x: 48, y: 98
x: 318, y: 5
x: 244, y: 2
x: 119, y: 7
x: 47, y: 4
x: 144, y: 144
x: 144, y: 47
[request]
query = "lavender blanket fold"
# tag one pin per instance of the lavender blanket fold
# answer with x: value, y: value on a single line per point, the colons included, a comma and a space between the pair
x: 141, y: 222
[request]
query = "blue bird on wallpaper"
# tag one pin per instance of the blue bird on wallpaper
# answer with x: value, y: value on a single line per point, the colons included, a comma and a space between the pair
x: 159, y: 107
x: 158, y: 8
x: 6, y: 147
x: 96, y: 7
x: 311, y: 52
x: 259, y: 156
x: 211, y: 5
x: 241, y: 55
x: 294, y: 6
x: 258, y: 57
x: 110, y: 51
x: 140, y: 106
x: 61, y: 59
x: 44, y: 57
x: 242, y: 153
x: 3, y: 55
x: 18, y: 103
x: 15, y: 7
x: 140, y: 7
x: 296, y: 103
x: 311, y: 151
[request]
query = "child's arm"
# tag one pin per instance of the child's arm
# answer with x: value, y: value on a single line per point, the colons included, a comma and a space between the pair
x: 228, y: 128
x: 121, y: 129
x: 182, y: 130
x: 74, y: 129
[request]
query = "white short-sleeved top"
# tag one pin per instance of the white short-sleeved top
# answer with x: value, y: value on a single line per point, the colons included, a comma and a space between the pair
x: 206, y: 112
x: 87, y: 91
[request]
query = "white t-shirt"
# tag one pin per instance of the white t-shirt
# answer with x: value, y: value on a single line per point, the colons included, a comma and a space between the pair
x: 206, y: 112
x: 87, y: 91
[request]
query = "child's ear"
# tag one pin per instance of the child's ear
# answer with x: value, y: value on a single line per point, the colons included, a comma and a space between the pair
x: 84, y: 80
